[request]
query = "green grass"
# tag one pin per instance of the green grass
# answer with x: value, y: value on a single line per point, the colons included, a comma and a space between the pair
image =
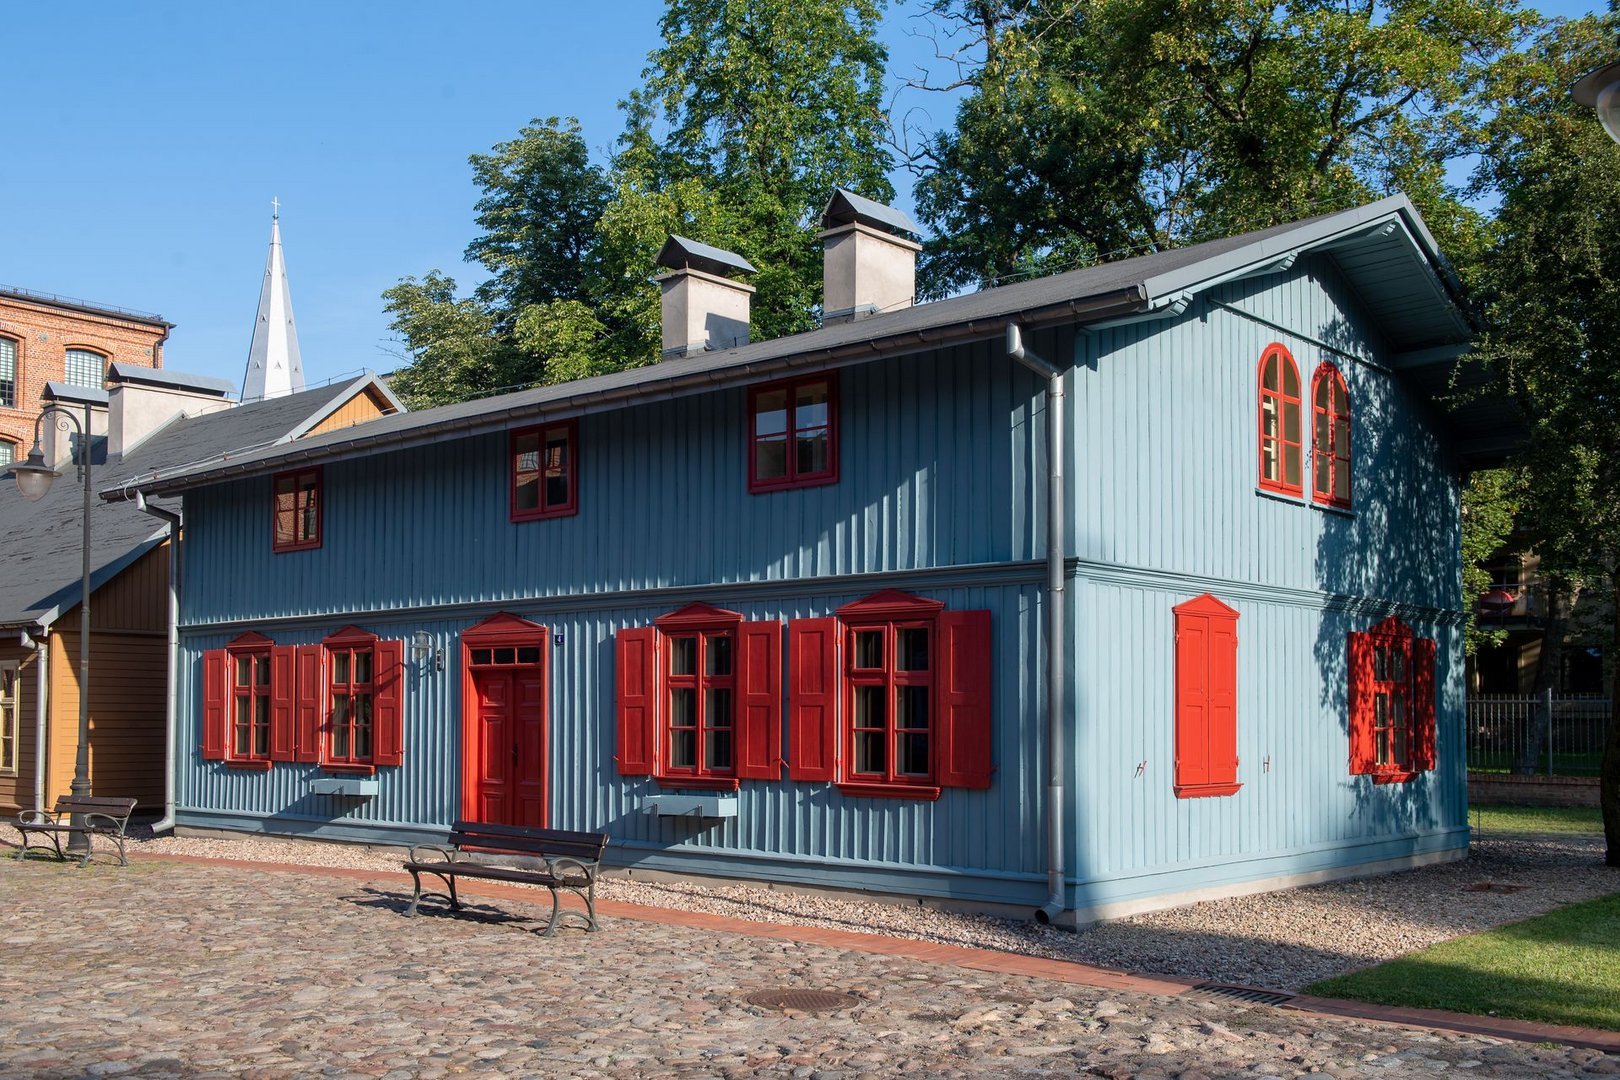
x: 1558, y: 968
x: 1570, y: 764
x: 1535, y: 819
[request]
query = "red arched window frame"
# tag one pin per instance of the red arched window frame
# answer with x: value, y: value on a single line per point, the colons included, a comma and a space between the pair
x: 1330, y: 437
x: 1278, y: 418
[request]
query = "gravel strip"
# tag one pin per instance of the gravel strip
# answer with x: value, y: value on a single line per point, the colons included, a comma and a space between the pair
x: 1284, y: 940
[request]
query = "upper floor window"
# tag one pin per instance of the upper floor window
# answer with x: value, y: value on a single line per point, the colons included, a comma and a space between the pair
x: 1392, y: 702
x: 1281, y: 465
x: 8, y: 373
x: 793, y: 433
x: 8, y: 717
x: 84, y: 368
x: 1330, y: 437
x: 544, y: 469
x: 297, y: 510
x: 8, y: 453
x: 699, y: 698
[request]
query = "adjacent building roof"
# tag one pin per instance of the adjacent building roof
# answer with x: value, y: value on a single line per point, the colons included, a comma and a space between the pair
x: 44, y: 539
x: 1383, y: 250
x: 68, y: 303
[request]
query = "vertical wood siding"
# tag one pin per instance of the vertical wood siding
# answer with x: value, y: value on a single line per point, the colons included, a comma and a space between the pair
x: 17, y: 789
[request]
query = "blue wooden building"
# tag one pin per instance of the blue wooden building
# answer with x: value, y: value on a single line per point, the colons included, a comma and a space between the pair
x: 786, y: 610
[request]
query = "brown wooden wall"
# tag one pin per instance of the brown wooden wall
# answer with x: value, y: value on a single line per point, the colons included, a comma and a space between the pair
x: 357, y: 410
x: 127, y: 686
x: 137, y: 599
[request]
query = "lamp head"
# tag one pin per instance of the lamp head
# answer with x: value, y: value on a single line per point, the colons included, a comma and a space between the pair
x: 1600, y: 89
x: 34, y: 476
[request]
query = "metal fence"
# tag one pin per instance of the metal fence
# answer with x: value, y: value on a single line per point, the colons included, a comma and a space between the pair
x: 1549, y: 735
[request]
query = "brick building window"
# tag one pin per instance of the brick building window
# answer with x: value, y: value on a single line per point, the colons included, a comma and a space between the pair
x: 8, y: 373
x: 8, y: 453
x: 82, y: 367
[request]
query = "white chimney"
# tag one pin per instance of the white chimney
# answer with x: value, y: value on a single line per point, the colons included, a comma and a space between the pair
x: 870, y: 267
x: 141, y: 400
x: 704, y: 310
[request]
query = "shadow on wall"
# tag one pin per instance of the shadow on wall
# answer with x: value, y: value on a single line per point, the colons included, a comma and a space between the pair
x: 1397, y: 546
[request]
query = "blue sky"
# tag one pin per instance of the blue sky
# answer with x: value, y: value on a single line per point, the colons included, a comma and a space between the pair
x: 143, y: 143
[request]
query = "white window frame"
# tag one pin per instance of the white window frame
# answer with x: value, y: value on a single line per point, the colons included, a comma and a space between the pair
x: 10, y: 728
x: 78, y: 354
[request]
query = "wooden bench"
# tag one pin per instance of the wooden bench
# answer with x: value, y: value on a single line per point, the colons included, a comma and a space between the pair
x: 559, y: 860
x: 101, y: 817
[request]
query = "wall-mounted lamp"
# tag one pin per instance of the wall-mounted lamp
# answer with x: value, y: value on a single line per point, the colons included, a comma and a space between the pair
x: 422, y: 648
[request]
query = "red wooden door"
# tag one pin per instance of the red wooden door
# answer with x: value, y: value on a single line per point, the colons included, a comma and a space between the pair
x: 511, y: 723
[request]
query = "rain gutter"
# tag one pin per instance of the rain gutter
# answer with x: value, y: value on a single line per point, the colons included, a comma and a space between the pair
x: 172, y: 674
x: 1056, y: 653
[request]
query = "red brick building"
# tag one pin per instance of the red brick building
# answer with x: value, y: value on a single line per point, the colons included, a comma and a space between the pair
x: 53, y: 339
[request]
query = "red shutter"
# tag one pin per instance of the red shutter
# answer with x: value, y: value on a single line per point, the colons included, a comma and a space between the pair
x: 1192, y: 701
x: 813, y: 698
x: 307, y: 704
x: 1423, y: 704
x: 283, y: 683
x: 388, y: 703
x: 637, y: 700
x: 964, y: 699
x: 759, y: 721
x: 1363, y: 756
x: 215, y: 709
x: 1222, y: 701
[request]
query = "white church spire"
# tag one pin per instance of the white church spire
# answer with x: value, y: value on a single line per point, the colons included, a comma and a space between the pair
x: 274, y: 367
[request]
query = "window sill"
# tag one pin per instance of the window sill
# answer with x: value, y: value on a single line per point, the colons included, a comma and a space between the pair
x: 890, y: 791
x: 520, y: 516
x: 1200, y: 791
x: 768, y: 486
x: 1293, y: 498
x: 249, y: 765
x: 283, y: 549
x: 697, y: 783
x: 1394, y: 777
x: 347, y: 769
x: 1338, y: 509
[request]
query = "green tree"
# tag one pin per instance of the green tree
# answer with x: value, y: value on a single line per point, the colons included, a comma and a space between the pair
x: 456, y: 349
x: 1551, y: 293
x: 1098, y: 127
x: 767, y: 105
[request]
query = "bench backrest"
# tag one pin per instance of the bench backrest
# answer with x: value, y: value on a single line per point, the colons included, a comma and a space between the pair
x: 93, y: 804
x: 482, y: 836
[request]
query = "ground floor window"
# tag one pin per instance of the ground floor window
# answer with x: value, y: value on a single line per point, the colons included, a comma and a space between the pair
x: 1392, y: 702
x: 8, y: 717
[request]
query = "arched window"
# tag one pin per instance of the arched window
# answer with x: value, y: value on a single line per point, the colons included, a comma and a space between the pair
x: 8, y: 453
x: 81, y: 367
x: 1280, y: 451
x: 1330, y: 438
x: 8, y: 373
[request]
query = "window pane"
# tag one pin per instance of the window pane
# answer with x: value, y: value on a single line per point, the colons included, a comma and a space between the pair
x: 812, y: 452
x: 911, y: 707
x: 362, y: 726
x: 912, y: 750
x: 1320, y: 479
x: 8, y: 376
x: 340, y: 666
x: 340, y: 725
x: 1268, y: 373
x: 481, y: 656
x: 84, y: 368
x: 717, y: 750
x: 1290, y: 415
x: 505, y: 656
x: 1291, y: 465
x: 869, y: 752
x: 244, y: 670
x: 717, y: 654
x: 683, y: 656
x: 362, y: 665
x: 869, y: 649
x: 770, y: 458
x: 262, y: 663
x: 683, y: 749
x: 717, y: 710
x: 1290, y: 379
x: 261, y: 725
x: 529, y: 655
x: 770, y: 413
x: 559, y: 466
x: 810, y: 406
x: 869, y: 707
x: 1341, y: 483
x: 526, y: 471
x: 8, y: 453
x: 911, y: 648
x: 309, y: 521
x: 243, y: 727
x: 682, y: 707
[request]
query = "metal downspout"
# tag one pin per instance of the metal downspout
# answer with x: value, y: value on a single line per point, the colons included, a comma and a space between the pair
x: 171, y: 697
x: 1057, y: 547
x: 42, y: 658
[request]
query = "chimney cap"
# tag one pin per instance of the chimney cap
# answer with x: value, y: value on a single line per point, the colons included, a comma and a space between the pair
x: 78, y: 395
x: 846, y: 207
x: 119, y: 372
x: 679, y: 253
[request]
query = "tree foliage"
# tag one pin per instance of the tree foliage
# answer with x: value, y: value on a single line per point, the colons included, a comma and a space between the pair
x: 1550, y: 287
x: 1097, y: 127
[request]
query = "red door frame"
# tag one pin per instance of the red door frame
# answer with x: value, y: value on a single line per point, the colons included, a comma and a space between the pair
x: 499, y: 631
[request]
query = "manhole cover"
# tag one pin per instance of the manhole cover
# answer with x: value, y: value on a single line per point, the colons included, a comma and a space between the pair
x: 1241, y: 993
x: 1496, y: 886
x: 802, y: 1000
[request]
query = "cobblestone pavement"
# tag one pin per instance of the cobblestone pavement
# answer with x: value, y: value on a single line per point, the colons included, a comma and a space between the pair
x: 167, y: 969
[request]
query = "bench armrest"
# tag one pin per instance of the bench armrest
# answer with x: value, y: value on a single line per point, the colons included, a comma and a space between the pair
x: 113, y: 824
x: 446, y: 854
x: 36, y: 817
x: 562, y: 868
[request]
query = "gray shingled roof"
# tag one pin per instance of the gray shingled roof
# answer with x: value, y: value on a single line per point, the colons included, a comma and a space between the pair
x: 1397, y: 269
x: 43, y: 540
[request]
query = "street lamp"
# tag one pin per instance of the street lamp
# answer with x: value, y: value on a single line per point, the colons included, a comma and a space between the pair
x: 1600, y: 89
x: 34, y: 479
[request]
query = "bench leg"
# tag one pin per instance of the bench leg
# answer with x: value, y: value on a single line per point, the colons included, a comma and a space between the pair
x: 417, y: 894
x: 556, y: 913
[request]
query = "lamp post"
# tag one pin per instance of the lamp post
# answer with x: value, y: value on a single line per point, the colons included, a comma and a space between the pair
x: 34, y: 479
x: 1600, y: 89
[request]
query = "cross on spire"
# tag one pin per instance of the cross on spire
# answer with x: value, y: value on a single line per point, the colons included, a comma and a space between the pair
x: 275, y: 208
